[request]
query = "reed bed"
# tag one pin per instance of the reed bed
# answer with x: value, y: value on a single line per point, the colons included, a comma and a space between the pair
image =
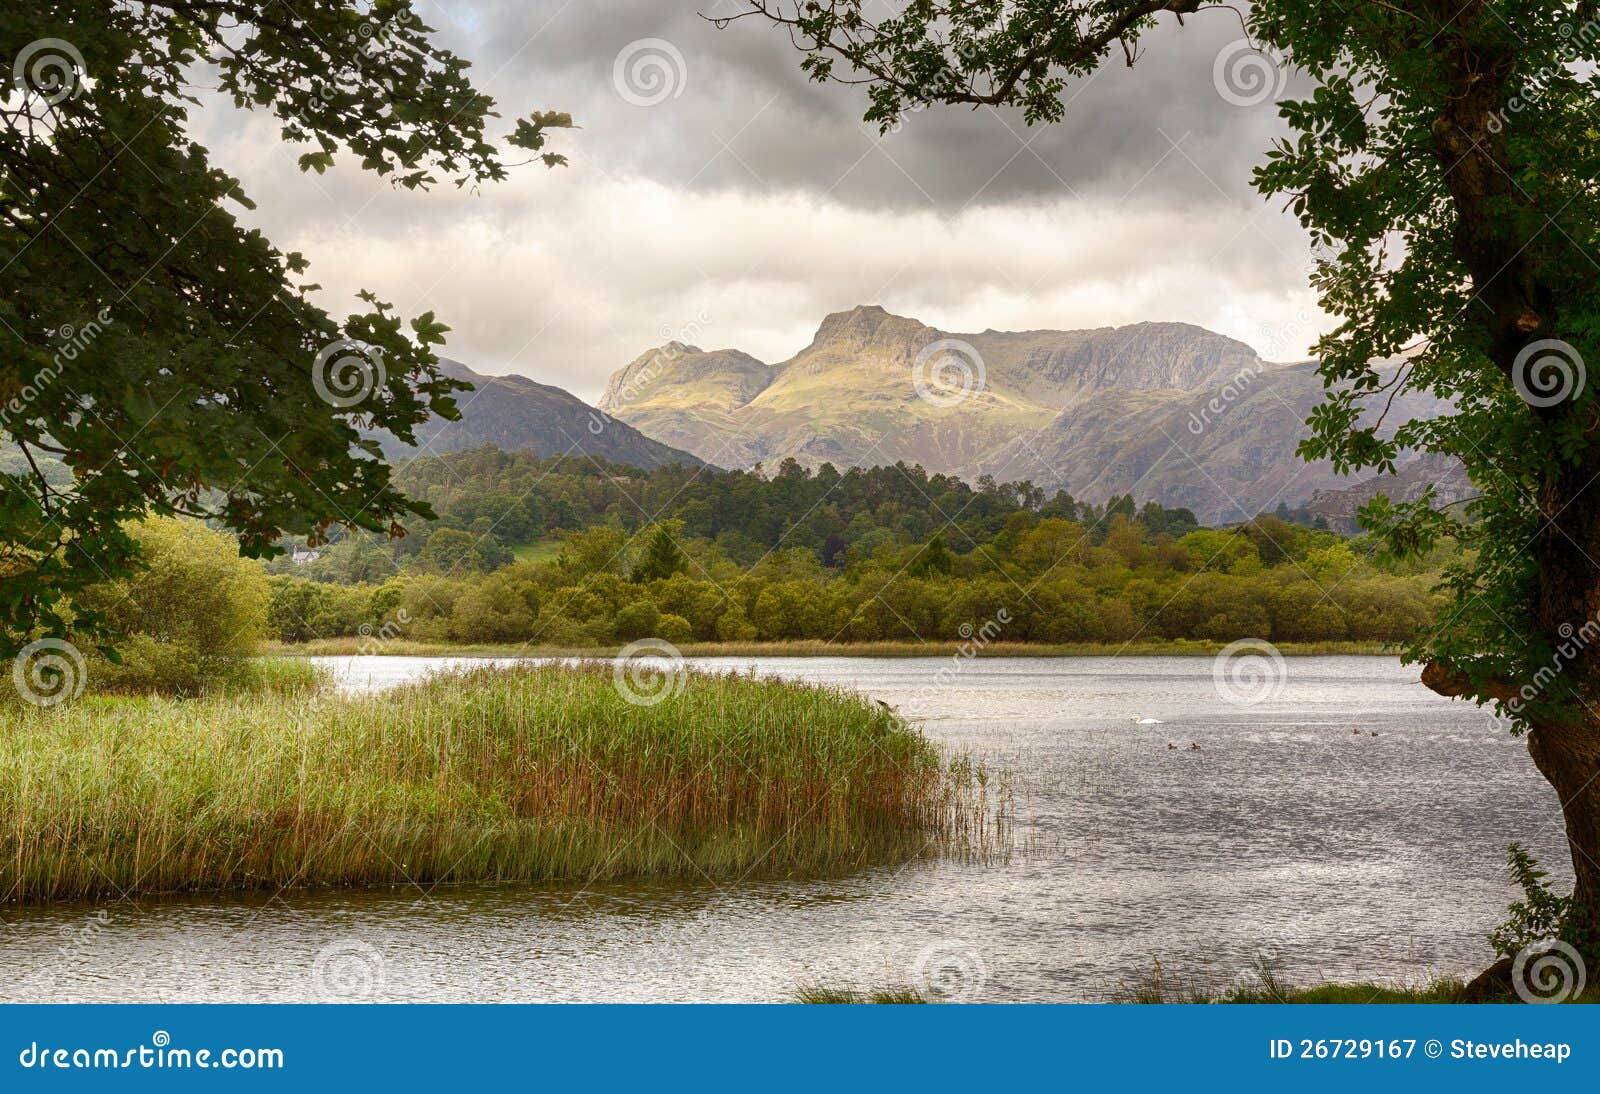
x: 833, y: 993
x: 541, y: 773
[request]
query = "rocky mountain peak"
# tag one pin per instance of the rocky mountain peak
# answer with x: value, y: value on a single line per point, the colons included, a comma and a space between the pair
x: 1170, y: 411
x: 860, y: 326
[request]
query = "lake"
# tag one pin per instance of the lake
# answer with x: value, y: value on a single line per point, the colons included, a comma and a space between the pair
x: 1287, y: 835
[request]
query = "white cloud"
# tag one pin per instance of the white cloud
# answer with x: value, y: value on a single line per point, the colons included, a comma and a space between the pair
x: 567, y: 275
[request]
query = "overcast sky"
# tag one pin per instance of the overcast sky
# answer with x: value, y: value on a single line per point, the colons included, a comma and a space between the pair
x: 748, y: 202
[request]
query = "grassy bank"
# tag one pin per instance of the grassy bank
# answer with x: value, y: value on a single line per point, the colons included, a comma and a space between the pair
x: 1442, y: 990
x: 542, y: 773
x: 1177, y: 647
x: 1439, y: 991
x: 1266, y: 986
x: 824, y: 993
x: 1264, y: 989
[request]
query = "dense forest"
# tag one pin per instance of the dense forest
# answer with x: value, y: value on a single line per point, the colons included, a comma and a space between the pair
x: 576, y: 552
x: 505, y: 500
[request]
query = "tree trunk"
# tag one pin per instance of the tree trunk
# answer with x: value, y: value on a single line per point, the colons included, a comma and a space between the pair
x: 1566, y: 613
x: 1516, y: 303
x: 1569, y: 756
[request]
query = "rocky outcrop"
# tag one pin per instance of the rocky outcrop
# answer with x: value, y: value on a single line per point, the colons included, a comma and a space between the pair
x: 1445, y: 474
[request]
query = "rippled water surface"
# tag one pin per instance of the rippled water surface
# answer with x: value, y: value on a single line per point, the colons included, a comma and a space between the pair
x: 1287, y: 834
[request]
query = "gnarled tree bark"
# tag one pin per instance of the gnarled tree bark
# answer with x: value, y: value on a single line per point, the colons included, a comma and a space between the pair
x: 1517, y: 307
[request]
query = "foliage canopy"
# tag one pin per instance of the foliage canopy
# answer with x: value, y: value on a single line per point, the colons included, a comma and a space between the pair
x: 164, y: 352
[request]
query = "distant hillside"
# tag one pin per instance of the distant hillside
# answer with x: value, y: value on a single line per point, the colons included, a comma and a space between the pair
x: 521, y: 415
x: 1166, y: 411
x: 1444, y: 473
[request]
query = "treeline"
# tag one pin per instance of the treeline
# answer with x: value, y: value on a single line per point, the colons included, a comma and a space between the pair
x: 857, y: 560
x: 489, y: 504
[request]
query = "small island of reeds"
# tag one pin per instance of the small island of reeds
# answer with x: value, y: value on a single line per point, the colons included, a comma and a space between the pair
x: 541, y: 773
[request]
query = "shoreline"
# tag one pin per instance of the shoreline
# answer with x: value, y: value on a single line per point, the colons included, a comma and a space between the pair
x: 396, y: 647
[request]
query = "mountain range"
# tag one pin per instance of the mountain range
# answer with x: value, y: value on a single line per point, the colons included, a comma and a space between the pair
x: 1166, y: 411
x: 518, y: 414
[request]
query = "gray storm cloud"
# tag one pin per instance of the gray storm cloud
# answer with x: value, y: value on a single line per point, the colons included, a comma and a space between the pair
x: 747, y: 201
